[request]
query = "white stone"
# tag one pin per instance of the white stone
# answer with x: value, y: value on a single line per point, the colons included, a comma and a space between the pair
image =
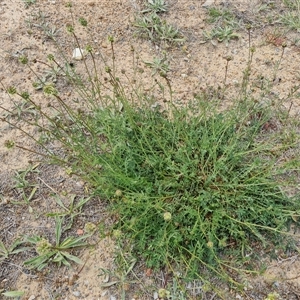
x: 79, y: 54
x: 208, y: 3
x: 76, y: 294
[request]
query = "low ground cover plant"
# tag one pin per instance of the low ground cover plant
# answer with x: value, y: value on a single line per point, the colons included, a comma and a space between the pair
x: 194, y: 189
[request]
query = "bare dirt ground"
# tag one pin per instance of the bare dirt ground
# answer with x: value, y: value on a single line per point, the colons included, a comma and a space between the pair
x: 196, y: 65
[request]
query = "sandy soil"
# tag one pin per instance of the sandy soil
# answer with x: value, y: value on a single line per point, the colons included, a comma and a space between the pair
x: 194, y: 66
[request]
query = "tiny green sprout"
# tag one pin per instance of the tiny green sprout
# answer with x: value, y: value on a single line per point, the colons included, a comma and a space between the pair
x: 49, y: 89
x: 167, y: 216
x: 9, y: 144
x: 83, y: 22
x: 111, y: 39
x: 163, y: 293
x: 69, y: 4
x: 43, y: 246
x: 23, y: 60
x: 12, y: 90
x: 50, y: 57
x: 70, y: 28
x: 107, y: 69
x: 89, y: 48
x: 252, y: 49
x: 89, y: 227
x: 25, y: 95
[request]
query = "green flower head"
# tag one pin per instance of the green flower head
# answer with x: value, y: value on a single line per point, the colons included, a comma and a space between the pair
x: 83, y: 22
x: 49, y: 89
x: 43, y: 246
x: 167, y: 216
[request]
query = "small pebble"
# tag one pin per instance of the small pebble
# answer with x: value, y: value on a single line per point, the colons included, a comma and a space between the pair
x: 76, y: 294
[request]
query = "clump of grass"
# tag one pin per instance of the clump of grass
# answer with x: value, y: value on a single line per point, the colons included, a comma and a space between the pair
x: 28, y: 3
x: 292, y: 17
x: 157, y: 6
x: 150, y: 25
x: 221, y: 34
x: 193, y: 187
x: 223, y: 16
x: 224, y: 25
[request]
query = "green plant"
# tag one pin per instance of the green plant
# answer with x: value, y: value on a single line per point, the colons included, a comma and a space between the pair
x: 24, y: 183
x: 217, y: 15
x: 222, y: 34
x: 22, y: 110
x: 159, y: 65
x: 292, y: 4
x: 156, y: 6
x: 125, y: 266
x: 73, y: 210
x: 193, y: 188
x: 57, y: 253
x: 14, y: 248
x: 157, y: 30
x: 292, y: 17
x: 13, y: 294
x: 28, y: 3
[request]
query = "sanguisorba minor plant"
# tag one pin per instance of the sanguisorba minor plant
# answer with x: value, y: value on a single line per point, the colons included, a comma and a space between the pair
x: 190, y: 187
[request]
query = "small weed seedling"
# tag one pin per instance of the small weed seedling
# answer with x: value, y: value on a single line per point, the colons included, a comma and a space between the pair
x: 70, y: 212
x: 14, y: 248
x: 159, y: 65
x: 24, y: 184
x: 58, y: 253
x: 28, y: 3
x: 22, y: 110
x: 156, y: 6
x: 219, y: 16
x: 157, y: 30
x: 120, y: 276
x: 222, y: 34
